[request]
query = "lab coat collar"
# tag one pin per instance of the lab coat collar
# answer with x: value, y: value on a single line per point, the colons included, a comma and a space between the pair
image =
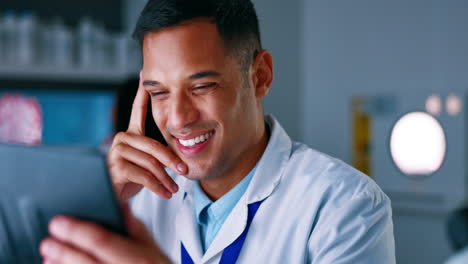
x: 271, y: 165
x: 187, y: 227
x: 266, y: 178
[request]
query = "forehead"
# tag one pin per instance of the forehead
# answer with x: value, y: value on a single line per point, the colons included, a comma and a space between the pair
x: 191, y: 44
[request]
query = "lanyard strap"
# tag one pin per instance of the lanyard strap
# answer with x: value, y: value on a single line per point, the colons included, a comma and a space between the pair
x: 232, y: 252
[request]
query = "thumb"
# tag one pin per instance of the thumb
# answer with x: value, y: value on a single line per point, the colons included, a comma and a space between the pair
x: 136, y: 229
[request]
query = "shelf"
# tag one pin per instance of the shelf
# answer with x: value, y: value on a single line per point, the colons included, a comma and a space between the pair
x: 64, y: 74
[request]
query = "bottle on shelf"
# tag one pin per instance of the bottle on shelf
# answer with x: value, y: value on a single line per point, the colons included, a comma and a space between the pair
x: 10, y: 36
x: 102, y: 46
x: 45, y: 47
x: 27, y: 43
x: 86, y: 40
x: 2, y: 41
x: 121, y: 51
x: 26, y: 37
x: 62, y: 43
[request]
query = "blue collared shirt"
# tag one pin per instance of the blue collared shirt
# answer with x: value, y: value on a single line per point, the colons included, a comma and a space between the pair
x: 211, y: 215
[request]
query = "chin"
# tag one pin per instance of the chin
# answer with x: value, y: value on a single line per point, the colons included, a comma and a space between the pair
x: 192, y: 177
x: 198, y: 172
x: 195, y: 172
x: 196, y: 176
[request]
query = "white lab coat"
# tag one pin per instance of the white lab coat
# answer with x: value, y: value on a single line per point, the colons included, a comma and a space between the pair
x: 316, y: 209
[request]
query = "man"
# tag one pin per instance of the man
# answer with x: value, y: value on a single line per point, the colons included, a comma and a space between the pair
x: 231, y: 186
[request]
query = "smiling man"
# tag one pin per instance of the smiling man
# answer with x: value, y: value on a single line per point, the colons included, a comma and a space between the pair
x: 230, y: 186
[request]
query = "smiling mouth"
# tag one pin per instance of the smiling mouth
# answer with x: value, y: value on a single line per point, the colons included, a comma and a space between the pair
x: 196, y: 140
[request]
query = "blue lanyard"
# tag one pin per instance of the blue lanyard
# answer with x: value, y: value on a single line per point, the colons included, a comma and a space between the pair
x: 232, y: 252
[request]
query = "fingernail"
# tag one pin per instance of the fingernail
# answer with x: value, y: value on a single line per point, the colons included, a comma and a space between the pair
x: 58, y: 226
x: 174, y: 188
x: 181, y: 167
x: 168, y: 195
x: 47, y: 248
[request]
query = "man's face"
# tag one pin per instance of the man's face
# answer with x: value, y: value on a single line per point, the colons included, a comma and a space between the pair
x: 208, y: 115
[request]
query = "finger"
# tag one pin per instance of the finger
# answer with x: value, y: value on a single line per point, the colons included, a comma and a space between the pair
x: 138, y: 115
x: 48, y: 261
x: 148, y: 163
x: 154, y: 148
x: 56, y: 252
x: 96, y: 241
x: 143, y: 177
x: 126, y: 213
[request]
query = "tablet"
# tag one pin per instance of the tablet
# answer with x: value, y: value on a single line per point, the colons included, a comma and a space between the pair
x: 38, y: 183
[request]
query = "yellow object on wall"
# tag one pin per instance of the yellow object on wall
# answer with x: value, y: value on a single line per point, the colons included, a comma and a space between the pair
x: 362, y: 136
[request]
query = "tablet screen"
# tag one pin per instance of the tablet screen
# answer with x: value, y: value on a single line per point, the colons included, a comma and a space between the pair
x: 38, y: 183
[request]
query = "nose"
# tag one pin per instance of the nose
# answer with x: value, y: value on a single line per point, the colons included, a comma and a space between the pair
x: 184, y: 112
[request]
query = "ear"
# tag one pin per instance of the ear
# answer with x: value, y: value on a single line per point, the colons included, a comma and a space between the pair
x: 262, y: 73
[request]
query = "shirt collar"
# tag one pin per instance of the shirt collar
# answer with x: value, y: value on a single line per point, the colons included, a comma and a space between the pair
x: 223, y: 205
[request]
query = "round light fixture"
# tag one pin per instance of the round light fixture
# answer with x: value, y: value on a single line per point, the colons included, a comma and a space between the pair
x: 434, y: 104
x: 418, y: 144
x: 454, y: 104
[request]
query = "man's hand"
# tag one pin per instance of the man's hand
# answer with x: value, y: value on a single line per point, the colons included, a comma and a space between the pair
x: 135, y: 160
x: 75, y: 241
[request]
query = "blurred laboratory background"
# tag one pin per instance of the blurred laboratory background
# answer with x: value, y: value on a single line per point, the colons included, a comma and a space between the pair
x: 379, y: 84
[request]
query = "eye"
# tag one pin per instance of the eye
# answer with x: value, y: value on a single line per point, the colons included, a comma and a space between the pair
x: 201, y: 89
x: 158, y: 94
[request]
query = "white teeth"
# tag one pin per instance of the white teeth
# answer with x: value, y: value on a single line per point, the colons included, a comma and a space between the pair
x: 193, y: 141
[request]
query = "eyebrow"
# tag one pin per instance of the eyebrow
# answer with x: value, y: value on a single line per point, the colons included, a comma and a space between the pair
x: 150, y: 83
x: 195, y: 76
x: 204, y: 74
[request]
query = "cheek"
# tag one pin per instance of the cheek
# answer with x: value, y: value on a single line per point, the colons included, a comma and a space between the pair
x: 228, y: 103
x: 159, y: 117
x: 221, y: 112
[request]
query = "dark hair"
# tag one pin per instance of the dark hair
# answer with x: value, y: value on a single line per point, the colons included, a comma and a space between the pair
x: 236, y: 20
x: 125, y: 97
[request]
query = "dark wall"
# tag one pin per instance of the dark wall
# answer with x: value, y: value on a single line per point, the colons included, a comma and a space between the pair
x: 107, y: 11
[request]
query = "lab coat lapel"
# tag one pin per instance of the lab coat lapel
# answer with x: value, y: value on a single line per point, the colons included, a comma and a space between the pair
x: 187, y: 229
x: 266, y: 179
x: 230, y: 231
x: 271, y: 165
